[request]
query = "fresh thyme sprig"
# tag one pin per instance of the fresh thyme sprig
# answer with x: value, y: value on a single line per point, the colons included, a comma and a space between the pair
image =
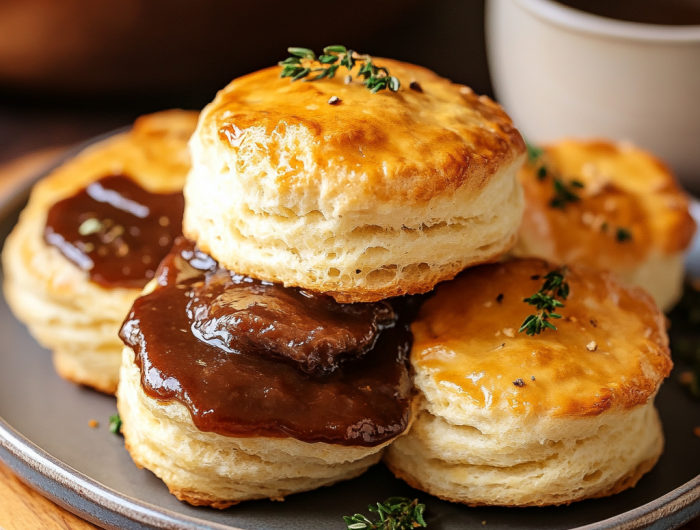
x: 534, y: 157
x: 115, y: 424
x: 533, y: 152
x: 395, y: 513
x: 303, y: 63
x: 564, y: 192
x: 546, y: 303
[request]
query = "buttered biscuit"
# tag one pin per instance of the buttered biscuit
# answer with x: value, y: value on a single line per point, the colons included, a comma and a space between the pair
x: 506, y: 418
x: 610, y: 207
x: 373, y: 196
x: 73, y: 294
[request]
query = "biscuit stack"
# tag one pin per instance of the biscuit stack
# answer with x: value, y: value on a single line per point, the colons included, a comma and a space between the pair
x: 284, y: 344
x: 341, y: 195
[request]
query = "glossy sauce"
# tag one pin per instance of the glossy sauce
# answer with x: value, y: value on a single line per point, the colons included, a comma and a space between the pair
x: 115, y: 230
x: 263, y: 360
x: 665, y: 12
x: 237, y: 313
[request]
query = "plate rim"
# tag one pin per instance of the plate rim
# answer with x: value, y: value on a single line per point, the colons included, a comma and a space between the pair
x: 682, y: 502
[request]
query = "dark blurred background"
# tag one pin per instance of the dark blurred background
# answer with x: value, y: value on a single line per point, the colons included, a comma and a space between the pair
x: 70, y: 69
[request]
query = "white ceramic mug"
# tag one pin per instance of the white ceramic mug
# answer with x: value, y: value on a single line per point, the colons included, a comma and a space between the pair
x: 561, y: 72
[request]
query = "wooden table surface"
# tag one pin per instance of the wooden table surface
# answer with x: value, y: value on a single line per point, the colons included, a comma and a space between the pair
x: 21, y: 508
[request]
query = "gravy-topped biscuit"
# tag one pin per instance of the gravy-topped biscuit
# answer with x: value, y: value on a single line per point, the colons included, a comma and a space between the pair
x: 507, y: 418
x: 235, y: 389
x: 373, y: 196
x: 608, y: 206
x: 91, y: 237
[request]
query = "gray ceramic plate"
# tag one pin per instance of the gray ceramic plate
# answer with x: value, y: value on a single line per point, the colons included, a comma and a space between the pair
x: 45, y: 439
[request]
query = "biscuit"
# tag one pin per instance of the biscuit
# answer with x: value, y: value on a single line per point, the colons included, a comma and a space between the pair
x: 237, y: 389
x: 632, y: 217
x: 375, y: 196
x: 65, y: 311
x: 209, y: 469
x: 510, y: 419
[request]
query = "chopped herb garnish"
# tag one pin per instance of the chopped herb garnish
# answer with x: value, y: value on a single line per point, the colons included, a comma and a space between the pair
x: 304, y: 62
x: 533, y: 152
x: 115, y: 424
x: 90, y: 226
x: 546, y: 303
x: 623, y: 234
x: 396, y: 513
x: 564, y: 192
x: 534, y: 157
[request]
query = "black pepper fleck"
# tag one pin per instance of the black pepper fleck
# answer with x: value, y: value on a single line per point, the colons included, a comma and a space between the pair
x: 335, y: 100
x: 499, y: 298
x: 532, y: 377
x: 535, y: 277
x: 594, y: 323
x: 415, y: 86
x: 623, y: 234
x: 519, y: 382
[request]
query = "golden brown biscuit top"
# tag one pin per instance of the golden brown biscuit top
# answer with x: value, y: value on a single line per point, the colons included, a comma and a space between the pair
x: 630, y: 204
x: 410, y: 145
x: 153, y: 153
x: 610, y: 349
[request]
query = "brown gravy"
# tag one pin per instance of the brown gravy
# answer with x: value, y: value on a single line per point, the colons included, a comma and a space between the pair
x: 264, y: 360
x: 115, y: 230
x: 662, y: 12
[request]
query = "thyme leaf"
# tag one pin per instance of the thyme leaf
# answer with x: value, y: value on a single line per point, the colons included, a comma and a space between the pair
x: 533, y: 152
x: 303, y: 63
x: 546, y: 303
x: 395, y: 513
x: 564, y: 192
x: 115, y: 423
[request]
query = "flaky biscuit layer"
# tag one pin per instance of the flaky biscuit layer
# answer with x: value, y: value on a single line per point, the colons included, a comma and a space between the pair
x: 593, y: 457
x: 209, y: 469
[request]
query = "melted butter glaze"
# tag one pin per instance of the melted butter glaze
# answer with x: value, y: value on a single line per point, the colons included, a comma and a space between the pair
x: 235, y: 385
x: 585, y: 231
x: 467, y: 343
x: 624, y: 187
x: 115, y: 230
x: 408, y: 145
